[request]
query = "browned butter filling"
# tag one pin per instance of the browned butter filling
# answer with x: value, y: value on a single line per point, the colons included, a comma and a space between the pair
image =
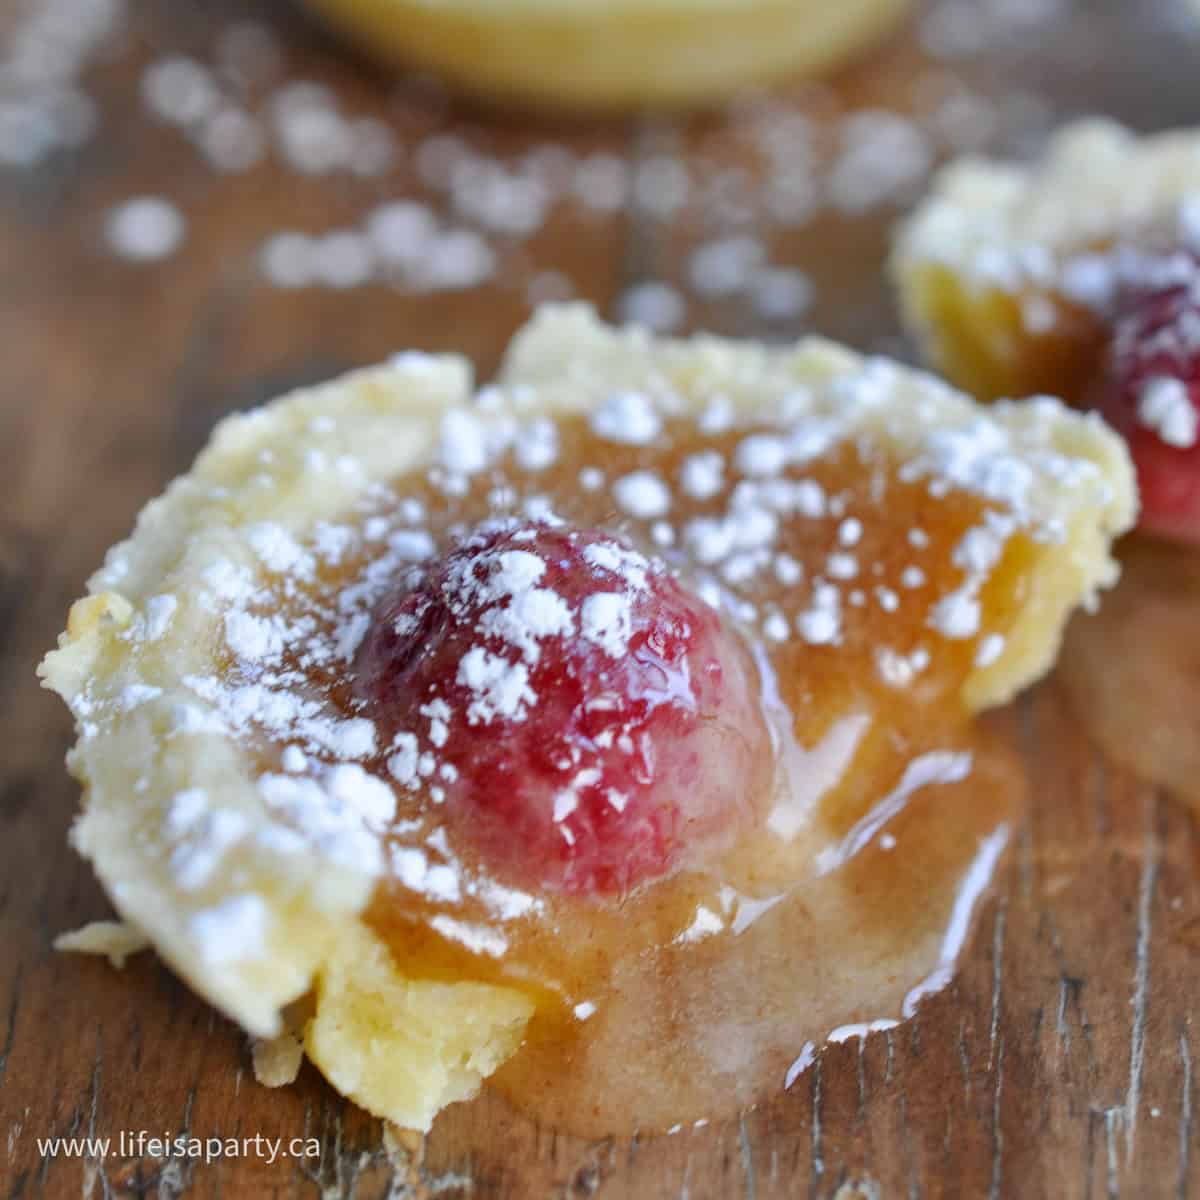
x: 890, y: 806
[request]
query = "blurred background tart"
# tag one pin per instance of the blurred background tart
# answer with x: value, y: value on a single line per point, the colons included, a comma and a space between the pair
x: 1076, y: 276
x: 599, y: 55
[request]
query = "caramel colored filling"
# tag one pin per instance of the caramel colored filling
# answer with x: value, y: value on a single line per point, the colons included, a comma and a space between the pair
x: 994, y: 343
x: 889, y: 807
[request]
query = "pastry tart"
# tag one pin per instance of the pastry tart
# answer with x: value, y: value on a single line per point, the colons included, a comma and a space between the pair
x: 1079, y: 276
x: 607, y: 730
x: 612, y: 54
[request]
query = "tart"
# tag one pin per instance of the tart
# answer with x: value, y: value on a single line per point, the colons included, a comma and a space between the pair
x: 1077, y: 275
x: 607, y: 730
x: 599, y: 55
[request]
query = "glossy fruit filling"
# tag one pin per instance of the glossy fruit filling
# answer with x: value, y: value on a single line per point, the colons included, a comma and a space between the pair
x: 1149, y: 389
x: 599, y: 726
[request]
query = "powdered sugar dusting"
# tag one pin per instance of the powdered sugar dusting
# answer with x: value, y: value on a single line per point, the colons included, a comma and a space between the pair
x: 1166, y: 407
x: 642, y: 494
x: 608, y: 622
x: 773, y: 517
x: 500, y: 688
x: 233, y: 930
x: 628, y: 418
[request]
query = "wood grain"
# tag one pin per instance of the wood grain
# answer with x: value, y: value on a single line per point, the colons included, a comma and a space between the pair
x: 1061, y: 1063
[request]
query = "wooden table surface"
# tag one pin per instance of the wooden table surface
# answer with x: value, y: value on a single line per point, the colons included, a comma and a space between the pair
x: 1060, y: 1062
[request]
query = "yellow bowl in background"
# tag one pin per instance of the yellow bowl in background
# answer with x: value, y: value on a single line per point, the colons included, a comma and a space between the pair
x: 612, y: 55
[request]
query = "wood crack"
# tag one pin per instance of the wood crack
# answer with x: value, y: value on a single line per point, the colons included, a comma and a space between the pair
x: 11, y: 1023
x: 1185, y: 1118
x: 997, y: 1173
x: 1112, y: 1118
x: 1141, y: 985
x: 1070, y: 995
x: 997, y: 978
x: 818, y: 1163
x: 860, y: 1080
x: 94, y: 1169
x: 747, y: 1155
x: 964, y: 1059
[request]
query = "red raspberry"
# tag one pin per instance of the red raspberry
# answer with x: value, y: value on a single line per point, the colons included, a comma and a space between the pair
x: 591, y: 724
x: 1150, y: 392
